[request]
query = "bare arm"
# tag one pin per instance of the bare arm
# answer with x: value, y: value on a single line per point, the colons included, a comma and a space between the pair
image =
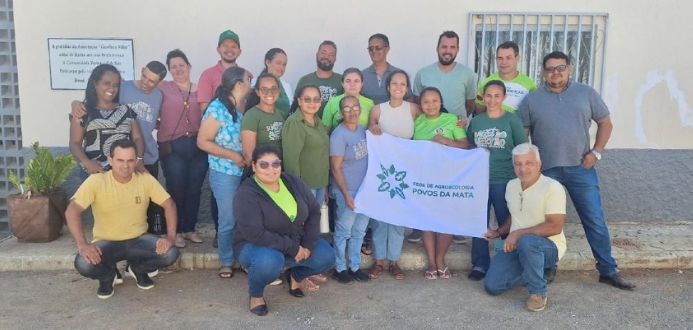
x: 90, y: 252
x: 336, y: 163
x: 205, y: 141
x: 171, y: 214
x: 470, y: 105
x: 604, y: 128
x: 373, y: 124
x: 552, y: 226
x: 461, y: 143
x: 138, y: 140
x: 249, y: 142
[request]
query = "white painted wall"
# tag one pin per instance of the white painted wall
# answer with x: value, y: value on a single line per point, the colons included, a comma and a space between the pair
x: 649, y: 72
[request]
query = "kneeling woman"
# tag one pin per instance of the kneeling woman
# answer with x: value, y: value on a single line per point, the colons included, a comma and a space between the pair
x: 278, y: 223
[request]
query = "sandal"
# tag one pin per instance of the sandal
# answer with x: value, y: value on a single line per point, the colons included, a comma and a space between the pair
x: 309, y: 286
x: 396, y: 272
x: 318, y: 278
x: 376, y: 271
x: 431, y: 274
x: 444, y: 273
x: 366, y: 249
x: 225, y: 272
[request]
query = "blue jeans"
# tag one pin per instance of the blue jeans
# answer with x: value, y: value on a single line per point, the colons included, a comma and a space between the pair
x: 185, y: 169
x: 522, y: 266
x: 264, y: 264
x: 224, y: 187
x: 349, y: 226
x: 319, y: 194
x: 496, y: 199
x: 387, y: 241
x: 140, y: 252
x: 583, y: 186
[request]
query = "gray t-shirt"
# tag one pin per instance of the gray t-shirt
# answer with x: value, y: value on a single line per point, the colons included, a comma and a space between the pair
x: 560, y: 122
x: 351, y: 146
x: 146, y: 106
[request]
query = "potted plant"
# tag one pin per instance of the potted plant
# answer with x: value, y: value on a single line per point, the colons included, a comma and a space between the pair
x: 37, y: 213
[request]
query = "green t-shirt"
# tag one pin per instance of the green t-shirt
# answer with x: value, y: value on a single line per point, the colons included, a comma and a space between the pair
x: 499, y: 136
x: 515, y: 90
x: 331, y: 116
x: 306, y: 150
x: 445, y: 125
x: 282, y: 198
x: 267, y: 126
x: 329, y: 87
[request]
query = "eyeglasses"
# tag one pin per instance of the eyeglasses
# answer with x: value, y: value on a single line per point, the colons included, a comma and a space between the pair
x: 559, y: 68
x: 268, y: 91
x: 376, y: 48
x: 312, y: 100
x: 348, y: 109
x: 265, y: 165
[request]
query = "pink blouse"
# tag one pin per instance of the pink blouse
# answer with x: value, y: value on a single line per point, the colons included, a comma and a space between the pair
x: 175, y: 121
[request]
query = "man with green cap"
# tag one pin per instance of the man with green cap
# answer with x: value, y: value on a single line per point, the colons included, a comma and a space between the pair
x: 229, y: 48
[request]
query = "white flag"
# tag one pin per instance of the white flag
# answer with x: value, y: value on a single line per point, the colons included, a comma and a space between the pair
x: 425, y: 185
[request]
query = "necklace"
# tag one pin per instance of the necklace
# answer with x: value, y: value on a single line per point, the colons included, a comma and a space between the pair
x: 186, y: 103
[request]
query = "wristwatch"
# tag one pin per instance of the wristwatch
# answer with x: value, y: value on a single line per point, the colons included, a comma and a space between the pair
x: 597, y: 154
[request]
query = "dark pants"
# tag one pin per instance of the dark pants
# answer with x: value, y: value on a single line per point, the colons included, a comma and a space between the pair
x: 496, y: 199
x: 185, y: 169
x: 583, y: 186
x: 140, y: 253
x: 155, y: 213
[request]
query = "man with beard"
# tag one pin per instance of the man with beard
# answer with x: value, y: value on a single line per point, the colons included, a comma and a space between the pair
x: 229, y: 49
x: 456, y: 84
x: 559, y: 115
x: 329, y: 82
x: 454, y: 80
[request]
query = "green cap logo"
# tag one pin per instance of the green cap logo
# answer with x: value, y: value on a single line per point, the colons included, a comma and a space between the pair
x: 392, y: 181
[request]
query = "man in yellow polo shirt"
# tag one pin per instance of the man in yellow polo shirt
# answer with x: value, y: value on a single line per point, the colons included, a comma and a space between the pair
x: 119, y: 200
x: 535, y: 239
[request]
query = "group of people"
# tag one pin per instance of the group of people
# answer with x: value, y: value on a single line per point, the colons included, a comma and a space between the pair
x: 274, y: 155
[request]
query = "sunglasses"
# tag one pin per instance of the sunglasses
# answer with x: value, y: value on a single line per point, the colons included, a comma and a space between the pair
x: 375, y: 48
x: 352, y: 108
x: 265, y: 165
x: 559, y: 68
x: 312, y: 100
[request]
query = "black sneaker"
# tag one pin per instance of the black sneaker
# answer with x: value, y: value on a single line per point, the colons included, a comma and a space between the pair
x: 143, y: 280
x: 359, y: 276
x: 127, y: 273
x: 105, y: 290
x: 476, y: 275
x: 343, y: 277
x: 415, y: 236
x: 118, y: 279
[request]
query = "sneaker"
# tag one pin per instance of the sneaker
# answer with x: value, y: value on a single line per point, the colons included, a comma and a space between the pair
x: 359, y: 276
x: 193, y: 237
x: 118, y: 279
x: 127, y: 273
x: 415, y: 236
x: 276, y: 282
x: 476, y: 275
x: 105, y: 290
x: 536, y: 303
x: 458, y: 239
x: 143, y: 280
x: 343, y: 277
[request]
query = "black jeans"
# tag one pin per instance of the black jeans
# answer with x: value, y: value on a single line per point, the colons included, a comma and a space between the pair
x: 140, y: 253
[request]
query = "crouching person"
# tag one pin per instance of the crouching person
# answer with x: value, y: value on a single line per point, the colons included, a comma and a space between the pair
x: 119, y: 200
x: 535, y: 240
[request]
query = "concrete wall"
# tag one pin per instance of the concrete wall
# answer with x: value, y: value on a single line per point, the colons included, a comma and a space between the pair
x: 648, y: 82
x: 646, y: 175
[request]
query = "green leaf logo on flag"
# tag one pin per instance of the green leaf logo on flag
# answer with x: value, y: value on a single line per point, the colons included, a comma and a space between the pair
x: 392, y: 181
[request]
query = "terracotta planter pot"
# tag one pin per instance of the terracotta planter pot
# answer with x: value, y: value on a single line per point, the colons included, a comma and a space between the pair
x: 39, y: 219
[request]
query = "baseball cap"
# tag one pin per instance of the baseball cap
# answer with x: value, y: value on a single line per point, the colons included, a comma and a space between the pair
x: 228, y: 34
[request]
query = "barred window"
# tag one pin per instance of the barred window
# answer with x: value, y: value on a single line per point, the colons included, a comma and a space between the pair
x: 583, y: 37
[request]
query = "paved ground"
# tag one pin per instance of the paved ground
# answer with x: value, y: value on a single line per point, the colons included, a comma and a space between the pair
x: 199, y: 300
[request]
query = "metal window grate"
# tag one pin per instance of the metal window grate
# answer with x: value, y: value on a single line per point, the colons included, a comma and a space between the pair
x: 583, y: 36
x: 11, y: 155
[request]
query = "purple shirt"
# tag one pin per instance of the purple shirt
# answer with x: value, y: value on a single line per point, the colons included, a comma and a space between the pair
x: 175, y: 122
